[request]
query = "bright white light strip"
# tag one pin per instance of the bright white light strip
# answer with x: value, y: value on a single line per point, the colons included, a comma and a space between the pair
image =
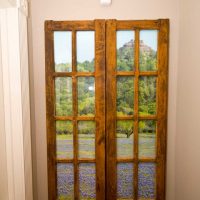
x: 105, y: 2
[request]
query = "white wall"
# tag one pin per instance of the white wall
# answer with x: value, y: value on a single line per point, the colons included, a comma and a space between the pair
x: 188, y: 104
x: 3, y: 165
x: 7, y: 3
x: 91, y: 9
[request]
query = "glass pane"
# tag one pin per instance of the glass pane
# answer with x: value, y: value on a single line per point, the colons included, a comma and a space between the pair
x: 147, y: 95
x: 64, y: 139
x: 147, y: 181
x: 63, y: 51
x: 86, y: 96
x: 65, y: 181
x: 148, y: 50
x: 125, y: 138
x: 125, y: 93
x: 63, y: 90
x: 147, y: 139
x: 125, y: 50
x: 87, y: 181
x: 125, y: 181
x: 86, y: 137
x: 85, y: 51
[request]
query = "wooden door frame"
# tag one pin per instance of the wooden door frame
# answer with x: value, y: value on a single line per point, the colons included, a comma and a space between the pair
x: 105, y: 53
x: 99, y: 27
x: 162, y: 25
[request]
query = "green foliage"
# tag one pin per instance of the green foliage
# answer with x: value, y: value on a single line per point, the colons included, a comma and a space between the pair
x: 86, y: 97
x: 125, y: 90
x: 86, y: 127
x: 125, y: 59
x: 63, y: 90
x: 148, y: 61
x: 64, y: 127
x: 86, y: 66
x: 125, y: 93
x: 63, y: 67
x: 147, y: 95
x: 125, y: 127
x: 148, y: 126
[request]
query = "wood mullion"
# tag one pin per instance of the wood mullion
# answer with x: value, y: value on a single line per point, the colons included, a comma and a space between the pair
x: 78, y: 118
x: 162, y: 90
x: 130, y: 117
x: 130, y: 160
x: 71, y: 25
x: 100, y: 107
x: 134, y: 117
x: 76, y: 74
x: 82, y: 160
x: 65, y: 160
x: 75, y: 113
x: 136, y: 121
x: 50, y: 105
x: 111, y: 154
x: 87, y: 160
x: 87, y: 118
x: 137, y: 24
x: 149, y: 73
x: 63, y: 118
x: 144, y: 73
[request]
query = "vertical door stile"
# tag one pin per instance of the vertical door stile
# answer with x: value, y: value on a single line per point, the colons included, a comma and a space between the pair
x: 50, y: 121
x: 75, y: 113
x: 100, y: 107
x: 111, y: 109
x: 106, y: 108
x: 163, y: 49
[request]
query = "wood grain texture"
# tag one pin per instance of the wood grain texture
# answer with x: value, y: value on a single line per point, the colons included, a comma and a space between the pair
x: 163, y: 48
x: 71, y: 25
x: 129, y: 73
x: 111, y: 187
x: 50, y: 107
x: 76, y: 74
x: 75, y: 114
x: 100, y: 107
x: 137, y: 24
x: 105, y: 104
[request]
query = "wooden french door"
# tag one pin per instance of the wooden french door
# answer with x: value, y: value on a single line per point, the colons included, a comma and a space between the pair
x: 106, y: 99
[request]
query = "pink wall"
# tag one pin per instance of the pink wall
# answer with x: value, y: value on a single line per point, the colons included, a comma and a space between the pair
x: 41, y: 10
x: 188, y: 104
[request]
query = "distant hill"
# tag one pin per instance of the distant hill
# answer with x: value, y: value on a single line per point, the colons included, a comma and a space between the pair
x: 143, y: 47
x: 125, y: 57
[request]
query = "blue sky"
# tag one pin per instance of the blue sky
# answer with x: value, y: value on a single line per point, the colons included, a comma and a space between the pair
x: 148, y: 36
x: 85, y: 43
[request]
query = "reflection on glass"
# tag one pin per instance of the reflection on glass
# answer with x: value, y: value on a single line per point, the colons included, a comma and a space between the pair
x: 147, y: 181
x: 125, y: 93
x: 125, y: 138
x: 85, y: 50
x: 63, y: 51
x: 65, y: 181
x: 63, y: 90
x: 147, y: 139
x: 147, y: 95
x: 87, y: 181
x: 86, y: 139
x: 125, y: 181
x: 148, y: 50
x: 64, y: 139
x: 86, y: 96
x: 125, y: 50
